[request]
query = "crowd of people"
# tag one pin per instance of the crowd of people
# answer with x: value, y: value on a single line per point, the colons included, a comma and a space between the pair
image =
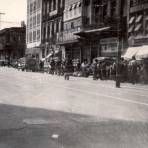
x: 132, y: 71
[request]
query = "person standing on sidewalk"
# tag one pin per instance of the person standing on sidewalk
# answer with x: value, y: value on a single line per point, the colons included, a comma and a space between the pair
x: 68, y: 68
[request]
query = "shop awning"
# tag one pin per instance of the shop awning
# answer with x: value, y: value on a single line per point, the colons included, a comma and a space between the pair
x: 69, y: 8
x: 82, y: 33
x: 74, y: 6
x: 131, y: 51
x: 138, y: 19
x: 131, y: 29
x: 142, y: 53
x: 146, y: 18
x: 131, y: 20
x: 79, y: 4
x: 138, y: 27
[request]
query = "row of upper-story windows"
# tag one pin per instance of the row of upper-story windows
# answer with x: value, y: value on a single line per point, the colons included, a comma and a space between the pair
x: 33, y: 36
x: 34, y: 21
x: 73, y: 11
x: 52, y: 28
x: 33, y: 6
x: 137, y: 2
x: 138, y: 24
x: 51, y: 5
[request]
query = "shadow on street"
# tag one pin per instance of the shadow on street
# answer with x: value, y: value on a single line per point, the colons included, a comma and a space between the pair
x: 39, y: 128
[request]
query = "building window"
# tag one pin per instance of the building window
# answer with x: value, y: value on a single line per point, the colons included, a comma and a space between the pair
x: 38, y: 5
x: 30, y: 36
x: 34, y: 6
x: 57, y: 26
x: 28, y: 9
x: 34, y: 21
x: 47, y: 7
x: 72, y: 25
x: 38, y: 35
x: 31, y: 8
x: 34, y: 35
x: 31, y: 22
x: 52, y: 31
x: 44, y: 33
x: 54, y: 5
x: 44, y: 8
x: 38, y: 19
x: 113, y: 8
x: 65, y: 27
x: 48, y: 35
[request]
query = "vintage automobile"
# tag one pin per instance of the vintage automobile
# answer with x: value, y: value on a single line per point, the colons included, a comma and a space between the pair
x: 28, y: 64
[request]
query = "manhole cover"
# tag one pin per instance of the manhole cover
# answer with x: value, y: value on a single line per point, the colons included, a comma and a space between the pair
x: 36, y: 121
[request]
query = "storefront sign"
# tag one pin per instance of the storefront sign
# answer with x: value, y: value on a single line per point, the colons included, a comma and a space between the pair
x: 109, y: 45
x: 68, y: 35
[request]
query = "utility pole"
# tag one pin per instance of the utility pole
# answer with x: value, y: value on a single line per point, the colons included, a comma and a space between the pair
x: 120, y: 33
x: 0, y: 18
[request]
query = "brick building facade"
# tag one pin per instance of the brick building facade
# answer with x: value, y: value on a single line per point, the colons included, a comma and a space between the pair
x: 12, y: 43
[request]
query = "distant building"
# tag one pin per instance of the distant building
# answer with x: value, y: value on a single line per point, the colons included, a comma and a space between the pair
x: 33, y: 29
x: 12, y: 43
x: 52, y: 26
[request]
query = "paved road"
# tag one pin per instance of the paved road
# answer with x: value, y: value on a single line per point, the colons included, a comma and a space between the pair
x: 43, y: 111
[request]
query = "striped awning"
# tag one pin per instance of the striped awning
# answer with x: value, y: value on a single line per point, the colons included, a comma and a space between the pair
x: 79, y: 4
x: 69, y: 8
x: 74, y: 6
x: 138, y: 27
x: 131, y: 29
x: 138, y: 18
x: 131, y: 20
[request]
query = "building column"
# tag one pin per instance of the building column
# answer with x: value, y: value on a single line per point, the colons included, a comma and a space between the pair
x: 109, y: 8
x: 118, y: 7
x: 57, y: 4
x: 91, y: 12
x: 61, y: 6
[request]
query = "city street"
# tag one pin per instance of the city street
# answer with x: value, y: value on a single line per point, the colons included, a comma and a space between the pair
x: 38, y: 110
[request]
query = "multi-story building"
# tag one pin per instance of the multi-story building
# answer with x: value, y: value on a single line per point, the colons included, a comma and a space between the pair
x: 103, y: 22
x: 12, y: 43
x: 72, y: 24
x: 52, y: 26
x: 91, y: 28
x: 33, y: 30
x: 138, y: 22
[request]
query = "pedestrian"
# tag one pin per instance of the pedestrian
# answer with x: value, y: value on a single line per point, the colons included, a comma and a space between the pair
x: 52, y: 66
x: 133, y: 70
x: 68, y: 68
x: 95, y: 70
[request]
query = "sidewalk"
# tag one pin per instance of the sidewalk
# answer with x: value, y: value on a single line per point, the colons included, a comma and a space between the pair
x: 113, y: 83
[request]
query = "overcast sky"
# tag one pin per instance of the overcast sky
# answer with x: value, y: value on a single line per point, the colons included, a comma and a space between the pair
x: 15, y: 12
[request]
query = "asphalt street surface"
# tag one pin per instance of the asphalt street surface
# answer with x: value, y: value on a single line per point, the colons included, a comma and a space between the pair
x: 38, y: 110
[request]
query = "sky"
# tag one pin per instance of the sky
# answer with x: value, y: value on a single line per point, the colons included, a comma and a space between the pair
x: 15, y: 12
